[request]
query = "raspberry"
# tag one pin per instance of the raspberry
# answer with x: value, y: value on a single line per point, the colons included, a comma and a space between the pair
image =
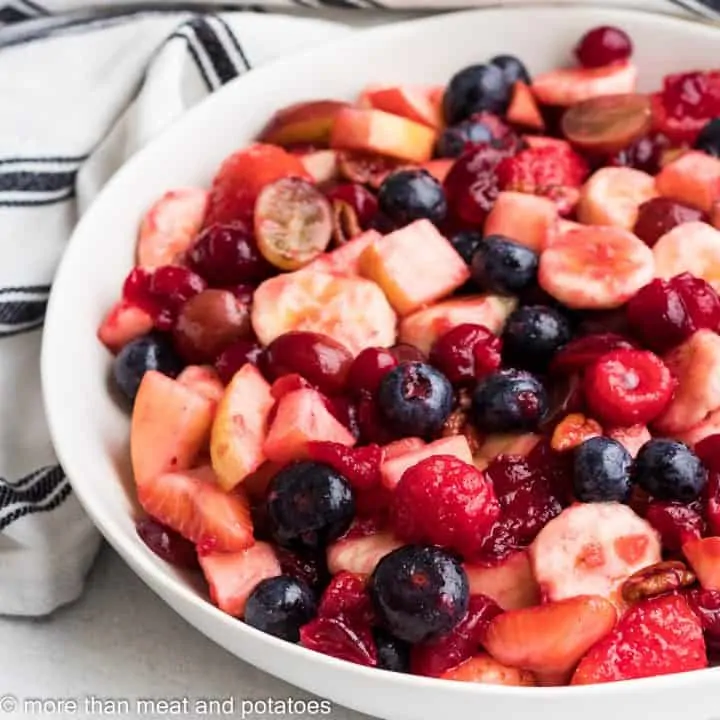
x: 700, y: 299
x: 336, y: 638
x: 434, y: 657
x: 583, y: 351
x: 360, y: 465
x: 676, y: 522
x: 444, y: 501
x: 311, y: 569
x: 628, y: 387
x: 347, y: 599
x: 466, y: 353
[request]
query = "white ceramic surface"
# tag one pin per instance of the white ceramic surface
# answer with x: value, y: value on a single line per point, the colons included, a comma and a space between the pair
x: 91, y: 433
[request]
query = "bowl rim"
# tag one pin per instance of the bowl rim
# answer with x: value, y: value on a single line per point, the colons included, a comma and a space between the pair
x: 124, y: 544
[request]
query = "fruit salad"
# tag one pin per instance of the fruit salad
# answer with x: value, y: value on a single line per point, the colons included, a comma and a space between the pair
x: 430, y: 381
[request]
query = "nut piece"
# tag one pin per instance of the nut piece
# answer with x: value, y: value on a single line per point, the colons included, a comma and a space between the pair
x: 657, y: 579
x: 345, y: 222
x: 574, y: 430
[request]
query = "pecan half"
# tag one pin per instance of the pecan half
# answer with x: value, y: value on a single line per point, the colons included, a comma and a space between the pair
x: 657, y: 579
x: 345, y: 222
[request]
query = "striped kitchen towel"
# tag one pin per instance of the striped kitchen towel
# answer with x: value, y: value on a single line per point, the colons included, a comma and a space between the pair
x: 81, y: 92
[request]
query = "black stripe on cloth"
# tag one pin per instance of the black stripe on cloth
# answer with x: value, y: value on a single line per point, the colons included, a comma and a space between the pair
x: 708, y: 8
x: 19, y: 11
x: 48, y: 490
x: 179, y: 35
x: 234, y: 42
x: 37, y: 181
x: 22, y: 309
x: 34, y: 7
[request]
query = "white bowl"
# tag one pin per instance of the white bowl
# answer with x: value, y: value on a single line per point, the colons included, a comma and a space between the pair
x: 91, y: 434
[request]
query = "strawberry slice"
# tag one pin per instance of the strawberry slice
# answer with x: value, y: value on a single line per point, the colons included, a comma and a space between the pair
x: 704, y: 557
x: 484, y: 669
x: 123, y: 323
x: 409, y: 102
x: 192, y: 504
x: 566, y: 87
x: 170, y: 226
x: 549, y: 640
x: 233, y: 576
x: 595, y: 268
x: 243, y: 175
x: 656, y: 637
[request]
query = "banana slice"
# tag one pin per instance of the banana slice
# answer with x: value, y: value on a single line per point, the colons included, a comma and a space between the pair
x: 692, y: 247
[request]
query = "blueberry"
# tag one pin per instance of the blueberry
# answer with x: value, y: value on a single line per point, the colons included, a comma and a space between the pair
x: 709, y: 138
x: 512, y: 68
x: 453, y: 139
x: 509, y: 401
x: 501, y: 265
x: 474, y: 89
x: 408, y: 195
x: 279, y: 606
x: 532, y: 335
x: 393, y: 654
x: 601, y: 471
x: 149, y: 352
x: 466, y: 244
x: 669, y: 470
x: 419, y: 592
x: 416, y: 399
x: 309, y: 504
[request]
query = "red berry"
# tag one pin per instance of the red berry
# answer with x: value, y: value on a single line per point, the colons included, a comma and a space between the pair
x: 345, y: 412
x: 287, y: 384
x: 372, y: 425
x: 708, y: 450
x: 583, y: 351
x: 402, y: 352
x: 308, y: 568
x: 603, y: 46
x: 368, y: 369
x: 466, y: 353
x: 444, y: 501
x: 322, y: 361
x: 508, y: 472
x: 347, y: 599
x: 360, y: 465
x: 701, y: 301
x: 644, y: 154
x: 243, y: 292
x: 234, y: 357
x: 433, y: 658
x: 660, y: 215
x: 501, y: 540
x: 628, y: 387
x: 676, y: 522
x: 335, y: 638
x: 359, y: 198
x: 711, y: 497
x: 228, y: 255
x: 167, y: 544
x: 706, y: 605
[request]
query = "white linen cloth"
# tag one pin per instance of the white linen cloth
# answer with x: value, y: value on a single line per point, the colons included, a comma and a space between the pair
x: 76, y: 103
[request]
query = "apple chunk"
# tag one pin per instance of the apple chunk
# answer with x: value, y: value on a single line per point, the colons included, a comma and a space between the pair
x: 305, y: 122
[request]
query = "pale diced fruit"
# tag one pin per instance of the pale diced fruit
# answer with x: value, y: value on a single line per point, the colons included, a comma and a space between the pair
x: 321, y: 165
x: 203, y: 379
x: 170, y: 226
x: 692, y: 247
x: 360, y: 555
x: 344, y: 260
x: 406, y: 101
x: 527, y: 219
x: 523, y: 109
x: 485, y: 670
x: 393, y: 469
x: 511, y: 584
x: 380, y: 132
x: 704, y: 558
x: 123, y: 324
x: 631, y: 438
x: 302, y: 417
x: 692, y: 179
x: 352, y: 310
x: 414, y: 266
x: 591, y: 549
x: 401, y: 447
x: 696, y: 366
x: 424, y: 327
x: 231, y: 577
x: 169, y: 426
x: 240, y: 427
x: 304, y: 122
x: 709, y: 426
x: 612, y: 196
x: 506, y: 444
x: 595, y: 267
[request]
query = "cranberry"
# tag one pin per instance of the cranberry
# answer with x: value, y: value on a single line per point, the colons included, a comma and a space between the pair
x: 583, y: 351
x: 373, y: 505
x: 243, y: 292
x: 360, y: 465
x: 676, y: 522
x: 226, y: 254
x: 701, y: 300
x: 322, y: 361
x: 335, y: 638
x: 706, y: 605
x: 167, y: 544
x: 660, y: 215
x: 603, y: 46
x: 508, y: 472
x: 529, y: 508
x: 233, y: 357
x: 209, y: 323
x: 711, y: 497
x: 499, y: 543
x: 644, y: 154
x: 628, y: 387
x: 368, y: 369
x: 346, y: 598
x: 359, y: 198
x: 708, y: 450
x: 345, y: 412
x: 471, y: 185
x: 466, y: 353
x: 402, y: 352
x: 373, y: 428
x: 658, y: 316
x: 433, y: 658
x: 310, y: 569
